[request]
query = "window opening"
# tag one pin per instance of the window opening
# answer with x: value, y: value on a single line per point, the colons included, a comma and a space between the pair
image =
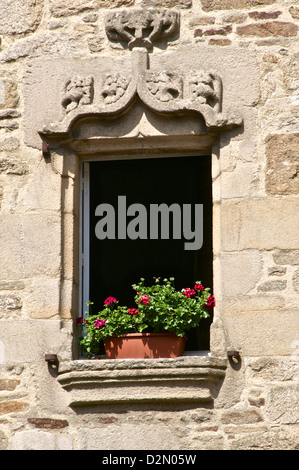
x: 111, y: 266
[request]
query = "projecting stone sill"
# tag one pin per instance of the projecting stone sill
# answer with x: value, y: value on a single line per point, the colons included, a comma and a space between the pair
x: 181, y: 380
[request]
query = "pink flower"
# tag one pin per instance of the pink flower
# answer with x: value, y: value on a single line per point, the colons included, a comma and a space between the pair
x: 133, y: 311
x: 110, y: 300
x: 189, y: 292
x: 144, y: 299
x: 198, y: 287
x: 211, y: 302
x: 80, y: 321
x: 99, y: 323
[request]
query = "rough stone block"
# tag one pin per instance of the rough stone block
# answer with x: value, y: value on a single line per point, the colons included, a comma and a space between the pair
x: 235, y: 279
x: 277, y: 271
x: 264, y: 15
x: 9, y: 97
x: 42, y: 300
x: 41, y: 440
x: 270, y: 28
x: 198, y: 32
x: 56, y: 43
x: 220, y: 31
x: 272, y: 369
x: 241, y: 182
x: 264, y: 440
x: 210, y: 5
x: 294, y: 11
x: 9, y: 303
x: 249, y: 224
x: 280, y: 115
x: 31, y: 340
x: 11, y: 247
x: 286, y: 257
x: 167, y: 3
x: 3, y: 441
x: 207, y: 440
x: 9, y: 125
x: 271, y: 286
x: 96, y: 43
x: 119, y: 437
x: 41, y: 244
x: 241, y: 416
x: 202, y: 20
x: 295, y: 280
x: 254, y: 302
x: 282, y: 176
x: 256, y: 330
x: 8, y: 384
x: 234, y: 17
x: 66, y: 8
x: 48, y: 423
x: 47, y: 199
x: 9, y: 113
x: 256, y: 398
x: 219, y: 42
x: 197, y: 416
x: 11, y: 285
x: 9, y: 144
x: 20, y: 16
x: 12, y: 406
x: 284, y: 397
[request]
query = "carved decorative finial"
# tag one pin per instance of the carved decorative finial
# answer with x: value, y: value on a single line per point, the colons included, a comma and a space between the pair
x: 141, y: 28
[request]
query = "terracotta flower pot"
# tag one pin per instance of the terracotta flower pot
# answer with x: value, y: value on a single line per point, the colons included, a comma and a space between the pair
x: 144, y: 345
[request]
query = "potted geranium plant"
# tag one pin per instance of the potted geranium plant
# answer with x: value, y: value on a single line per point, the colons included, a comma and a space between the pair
x: 160, y: 313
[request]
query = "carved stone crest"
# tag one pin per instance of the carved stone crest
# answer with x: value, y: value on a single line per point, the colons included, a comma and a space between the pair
x: 141, y: 28
x: 115, y: 87
x: 78, y: 91
x: 205, y: 88
x: 164, y: 86
x: 165, y: 92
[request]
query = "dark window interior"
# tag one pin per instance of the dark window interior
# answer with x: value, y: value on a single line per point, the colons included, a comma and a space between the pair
x: 117, y: 264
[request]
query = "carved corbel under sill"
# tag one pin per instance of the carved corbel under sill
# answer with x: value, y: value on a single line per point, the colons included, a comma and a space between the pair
x: 186, y: 379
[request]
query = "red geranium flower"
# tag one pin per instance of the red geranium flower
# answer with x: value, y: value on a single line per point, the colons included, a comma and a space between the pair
x: 133, y: 311
x: 189, y: 292
x: 198, y: 287
x: 211, y: 302
x: 99, y: 323
x: 110, y: 300
x: 144, y: 299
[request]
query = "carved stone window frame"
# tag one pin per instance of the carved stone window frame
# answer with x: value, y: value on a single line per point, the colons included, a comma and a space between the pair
x: 148, y: 113
x: 192, y: 380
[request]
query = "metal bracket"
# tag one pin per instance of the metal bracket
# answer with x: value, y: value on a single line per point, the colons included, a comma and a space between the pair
x: 51, y: 359
x: 234, y: 355
x: 45, y: 149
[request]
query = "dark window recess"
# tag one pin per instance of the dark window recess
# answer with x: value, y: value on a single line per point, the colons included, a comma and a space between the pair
x: 117, y: 264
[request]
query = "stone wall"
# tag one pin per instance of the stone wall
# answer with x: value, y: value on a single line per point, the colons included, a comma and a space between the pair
x: 254, y: 43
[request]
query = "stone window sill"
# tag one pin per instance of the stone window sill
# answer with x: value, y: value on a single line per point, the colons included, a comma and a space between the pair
x: 186, y: 379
